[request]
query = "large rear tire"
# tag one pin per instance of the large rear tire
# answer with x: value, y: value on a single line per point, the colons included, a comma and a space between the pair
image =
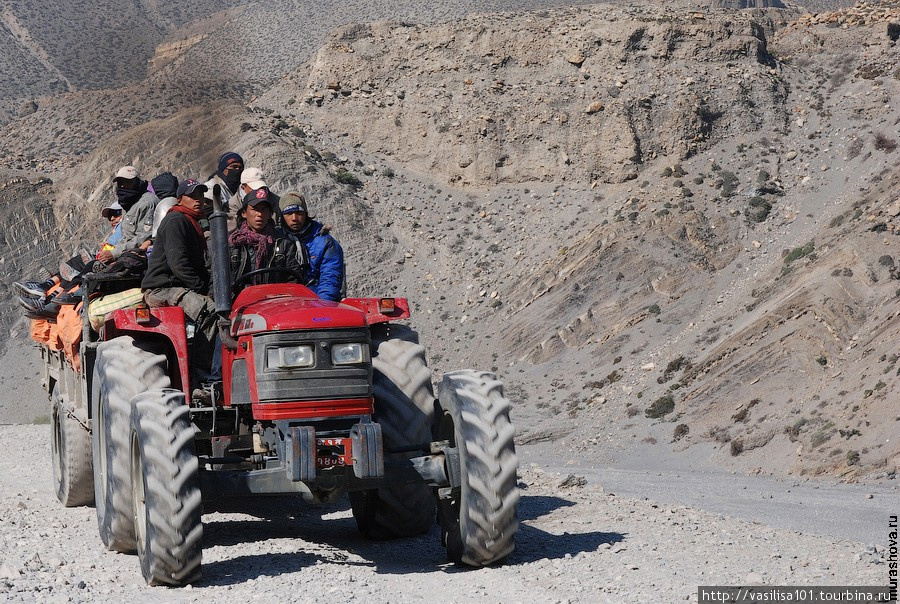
x: 123, y: 369
x: 165, y: 483
x: 404, y: 406
x: 73, y: 470
x: 478, y: 519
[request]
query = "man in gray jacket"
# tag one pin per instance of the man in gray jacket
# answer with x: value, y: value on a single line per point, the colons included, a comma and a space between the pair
x: 139, y: 205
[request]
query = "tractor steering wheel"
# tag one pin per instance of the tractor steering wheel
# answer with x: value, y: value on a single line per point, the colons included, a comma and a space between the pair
x: 265, y: 270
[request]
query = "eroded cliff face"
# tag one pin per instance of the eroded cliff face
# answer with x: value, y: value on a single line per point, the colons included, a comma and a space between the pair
x: 589, y: 95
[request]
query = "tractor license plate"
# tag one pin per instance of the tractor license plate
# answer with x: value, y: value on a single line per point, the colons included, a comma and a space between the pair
x: 333, y: 452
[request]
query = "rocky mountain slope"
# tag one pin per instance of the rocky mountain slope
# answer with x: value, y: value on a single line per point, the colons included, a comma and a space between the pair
x: 670, y: 230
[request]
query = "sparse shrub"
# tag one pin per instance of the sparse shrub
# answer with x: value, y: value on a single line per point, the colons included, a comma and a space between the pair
x: 822, y: 360
x: 660, y: 407
x: 245, y: 126
x: 884, y: 143
x: 298, y: 132
x: 800, y: 252
x: 388, y: 173
x: 681, y: 430
x: 677, y: 364
x: 852, y: 458
x: 886, y: 260
x: 848, y: 434
x: 667, y: 172
x: 737, y: 447
x: 632, y: 411
x: 654, y: 309
x: 720, y: 435
x: 345, y: 177
x: 822, y: 434
x: 596, y: 384
x: 758, y: 209
x: 854, y: 148
x: 793, y: 432
x: 727, y: 184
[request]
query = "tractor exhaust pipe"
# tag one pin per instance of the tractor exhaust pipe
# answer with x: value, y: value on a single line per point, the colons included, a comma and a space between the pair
x: 221, y: 267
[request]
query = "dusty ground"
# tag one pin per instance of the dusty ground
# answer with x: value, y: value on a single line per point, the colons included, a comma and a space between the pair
x: 583, y: 543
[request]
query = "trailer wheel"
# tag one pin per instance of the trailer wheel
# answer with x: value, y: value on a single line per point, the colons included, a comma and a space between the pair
x: 123, y: 368
x: 404, y: 406
x: 73, y: 470
x: 165, y: 488
x: 478, y: 518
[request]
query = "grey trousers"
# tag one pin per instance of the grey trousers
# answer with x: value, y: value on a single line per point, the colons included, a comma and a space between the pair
x: 202, y: 311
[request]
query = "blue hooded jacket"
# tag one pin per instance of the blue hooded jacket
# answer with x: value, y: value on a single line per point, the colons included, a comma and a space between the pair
x: 326, y: 261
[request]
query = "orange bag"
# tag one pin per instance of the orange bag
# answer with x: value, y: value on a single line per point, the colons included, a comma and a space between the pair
x: 68, y: 323
x: 40, y: 330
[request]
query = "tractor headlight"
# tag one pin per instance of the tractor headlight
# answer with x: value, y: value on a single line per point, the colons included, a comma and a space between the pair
x: 287, y: 357
x: 348, y: 354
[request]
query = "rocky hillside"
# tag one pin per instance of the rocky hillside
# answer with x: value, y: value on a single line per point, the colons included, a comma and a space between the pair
x: 657, y: 215
x: 672, y: 231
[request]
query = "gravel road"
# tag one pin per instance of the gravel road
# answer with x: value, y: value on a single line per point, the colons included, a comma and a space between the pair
x: 576, y: 544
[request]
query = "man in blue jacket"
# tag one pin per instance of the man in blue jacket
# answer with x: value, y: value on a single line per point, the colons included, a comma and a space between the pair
x: 326, y: 275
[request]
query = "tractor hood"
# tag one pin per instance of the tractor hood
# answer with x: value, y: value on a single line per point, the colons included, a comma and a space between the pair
x: 287, y: 307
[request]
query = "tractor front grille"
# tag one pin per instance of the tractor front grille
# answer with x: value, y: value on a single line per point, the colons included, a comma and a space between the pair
x: 323, y: 380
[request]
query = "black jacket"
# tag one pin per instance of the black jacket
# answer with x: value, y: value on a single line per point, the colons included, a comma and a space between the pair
x: 178, y: 258
x: 282, y: 255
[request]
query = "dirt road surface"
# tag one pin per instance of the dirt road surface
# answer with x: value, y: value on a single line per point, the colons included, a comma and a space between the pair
x: 577, y: 543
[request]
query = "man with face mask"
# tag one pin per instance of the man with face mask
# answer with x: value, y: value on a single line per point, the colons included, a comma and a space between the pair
x: 228, y: 177
x: 138, y: 203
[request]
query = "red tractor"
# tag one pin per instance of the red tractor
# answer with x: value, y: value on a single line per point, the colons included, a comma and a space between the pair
x: 317, y: 398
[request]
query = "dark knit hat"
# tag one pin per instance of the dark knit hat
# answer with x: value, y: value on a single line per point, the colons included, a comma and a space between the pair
x: 229, y: 158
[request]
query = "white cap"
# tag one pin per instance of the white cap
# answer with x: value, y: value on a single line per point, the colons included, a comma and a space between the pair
x: 126, y: 173
x: 253, y: 178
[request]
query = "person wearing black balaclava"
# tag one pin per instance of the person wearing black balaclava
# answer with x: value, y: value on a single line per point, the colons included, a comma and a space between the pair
x: 164, y: 186
x: 138, y: 204
x: 228, y: 177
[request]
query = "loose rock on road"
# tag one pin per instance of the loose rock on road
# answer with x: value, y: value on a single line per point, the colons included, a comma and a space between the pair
x: 575, y: 544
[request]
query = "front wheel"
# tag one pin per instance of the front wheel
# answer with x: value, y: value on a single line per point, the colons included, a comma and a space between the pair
x: 478, y: 519
x: 165, y: 483
x: 404, y: 406
x: 123, y: 369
